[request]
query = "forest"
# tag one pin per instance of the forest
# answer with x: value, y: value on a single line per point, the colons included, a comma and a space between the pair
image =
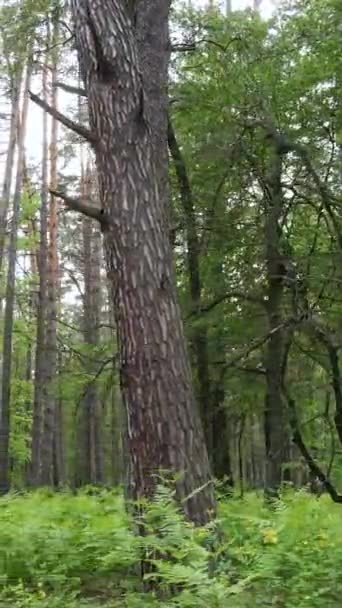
x: 170, y: 304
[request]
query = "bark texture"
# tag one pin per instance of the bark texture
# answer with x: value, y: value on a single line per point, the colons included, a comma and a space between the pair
x: 124, y: 57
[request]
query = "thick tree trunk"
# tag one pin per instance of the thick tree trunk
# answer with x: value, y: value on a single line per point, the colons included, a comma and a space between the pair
x: 40, y: 385
x: 124, y: 61
x: 9, y: 305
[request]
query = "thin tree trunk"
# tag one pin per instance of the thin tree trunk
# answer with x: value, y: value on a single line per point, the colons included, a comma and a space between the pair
x: 221, y: 461
x: 10, y: 300
x: 58, y: 447
x: 198, y: 335
x: 49, y: 421
x: 125, y: 73
x: 90, y: 452
x: 16, y: 82
x: 242, y: 424
x: 210, y: 394
x: 40, y: 385
x: 275, y: 408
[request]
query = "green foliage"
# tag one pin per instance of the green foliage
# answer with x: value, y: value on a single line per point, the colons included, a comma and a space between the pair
x: 67, y: 551
x: 20, y: 440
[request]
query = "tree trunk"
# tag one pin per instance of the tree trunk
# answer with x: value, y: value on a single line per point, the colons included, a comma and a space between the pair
x: 59, y: 475
x: 275, y: 408
x: 221, y: 461
x: 40, y: 385
x: 124, y: 61
x: 49, y: 419
x: 16, y: 82
x: 198, y: 333
x: 90, y: 452
x: 210, y: 394
x: 10, y: 299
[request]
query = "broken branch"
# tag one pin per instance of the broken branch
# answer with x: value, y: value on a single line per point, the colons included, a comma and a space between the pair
x: 81, y: 206
x: 64, y: 120
x: 68, y: 88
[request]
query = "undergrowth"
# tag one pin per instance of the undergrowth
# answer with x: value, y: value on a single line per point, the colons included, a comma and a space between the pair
x: 65, y: 551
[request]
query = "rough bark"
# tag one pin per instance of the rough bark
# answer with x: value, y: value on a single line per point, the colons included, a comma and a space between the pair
x: 9, y: 304
x: 124, y: 60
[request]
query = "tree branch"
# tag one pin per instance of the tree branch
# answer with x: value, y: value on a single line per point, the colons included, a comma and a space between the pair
x: 193, y: 45
x: 297, y: 436
x: 64, y: 120
x: 68, y: 88
x: 186, y: 197
x: 322, y: 334
x: 283, y: 145
x: 82, y: 206
x: 313, y: 466
x: 259, y: 342
x: 228, y: 296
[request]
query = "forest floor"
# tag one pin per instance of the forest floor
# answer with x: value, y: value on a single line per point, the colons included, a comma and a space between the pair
x: 67, y: 551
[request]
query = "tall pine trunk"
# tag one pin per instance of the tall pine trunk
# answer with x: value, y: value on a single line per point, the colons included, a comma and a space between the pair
x: 90, y: 450
x: 40, y: 358
x: 124, y: 61
x: 50, y: 411
x: 16, y: 82
x: 276, y: 435
x: 5, y: 426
